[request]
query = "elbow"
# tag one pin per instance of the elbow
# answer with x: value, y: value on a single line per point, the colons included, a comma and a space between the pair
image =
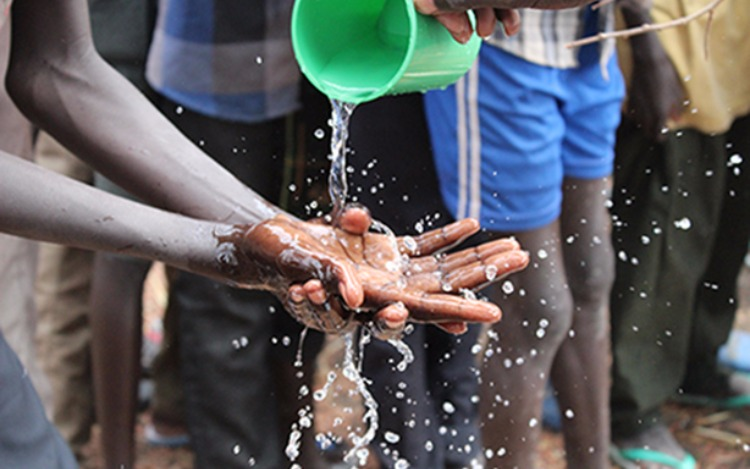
x: 22, y: 84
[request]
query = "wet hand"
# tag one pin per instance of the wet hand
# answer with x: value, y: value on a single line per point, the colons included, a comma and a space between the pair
x: 335, y: 277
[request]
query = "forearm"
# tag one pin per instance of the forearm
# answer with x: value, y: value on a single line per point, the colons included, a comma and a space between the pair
x: 59, y: 81
x: 645, y: 47
x: 42, y: 205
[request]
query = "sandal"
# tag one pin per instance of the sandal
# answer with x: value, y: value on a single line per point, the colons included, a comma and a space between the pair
x: 627, y: 458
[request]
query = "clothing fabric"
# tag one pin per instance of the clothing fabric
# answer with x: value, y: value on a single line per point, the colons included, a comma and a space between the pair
x: 682, y: 222
x: 708, y: 53
x: 509, y: 131
x: 225, y: 333
x: 62, y: 297
x: 545, y: 35
x: 429, y: 405
x: 226, y: 59
x: 18, y: 255
x: 27, y: 439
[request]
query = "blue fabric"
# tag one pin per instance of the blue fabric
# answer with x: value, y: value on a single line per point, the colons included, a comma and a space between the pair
x: 533, y: 126
x: 190, y: 19
x: 228, y: 59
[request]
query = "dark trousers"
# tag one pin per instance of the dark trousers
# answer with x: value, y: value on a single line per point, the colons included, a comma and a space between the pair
x: 681, y: 225
x: 429, y: 405
x: 229, y: 365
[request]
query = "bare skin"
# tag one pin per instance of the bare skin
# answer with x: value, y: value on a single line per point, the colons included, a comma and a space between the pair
x: 400, y: 273
x: 557, y: 328
x: 452, y: 14
x: 58, y: 80
x: 655, y: 94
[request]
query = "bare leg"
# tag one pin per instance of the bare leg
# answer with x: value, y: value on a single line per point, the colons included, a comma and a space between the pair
x: 580, y: 371
x: 116, y: 347
x: 521, y: 349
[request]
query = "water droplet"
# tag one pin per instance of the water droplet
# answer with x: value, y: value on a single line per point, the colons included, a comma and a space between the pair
x: 391, y: 437
x: 490, y: 272
x: 401, y: 464
x: 448, y: 407
x: 683, y: 224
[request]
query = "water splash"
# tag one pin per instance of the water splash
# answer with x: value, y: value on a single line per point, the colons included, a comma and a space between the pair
x: 337, y: 186
x: 352, y: 372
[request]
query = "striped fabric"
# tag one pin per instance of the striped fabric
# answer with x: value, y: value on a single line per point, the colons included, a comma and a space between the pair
x: 545, y: 33
x: 230, y: 59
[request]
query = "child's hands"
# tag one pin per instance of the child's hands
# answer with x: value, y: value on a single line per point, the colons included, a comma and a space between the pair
x: 332, y: 278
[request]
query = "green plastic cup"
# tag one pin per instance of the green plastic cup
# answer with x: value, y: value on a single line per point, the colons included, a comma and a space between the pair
x: 360, y: 50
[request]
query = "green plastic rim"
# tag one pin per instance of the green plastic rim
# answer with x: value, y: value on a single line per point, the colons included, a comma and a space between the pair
x: 340, y: 48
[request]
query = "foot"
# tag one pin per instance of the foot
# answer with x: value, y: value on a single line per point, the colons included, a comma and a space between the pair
x: 167, y: 435
x: 653, y: 448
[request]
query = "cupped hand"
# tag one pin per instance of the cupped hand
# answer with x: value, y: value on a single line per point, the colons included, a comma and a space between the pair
x: 333, y: 277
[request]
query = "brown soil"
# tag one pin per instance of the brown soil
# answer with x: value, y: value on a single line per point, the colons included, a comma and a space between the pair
x: 718, y: 440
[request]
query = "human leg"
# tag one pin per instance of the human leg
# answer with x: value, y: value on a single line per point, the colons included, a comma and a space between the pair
x: 116, y: 307
x: 225, y: 332
x: 453, y: 381
x: 665, y: 211
x: 406, y: 197
x: 716, y: 296
x: 580, y: 372
x: 167, y: 405
x: 537, y: 315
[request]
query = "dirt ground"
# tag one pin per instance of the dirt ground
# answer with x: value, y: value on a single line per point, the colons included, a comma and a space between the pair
x: 718, y: 440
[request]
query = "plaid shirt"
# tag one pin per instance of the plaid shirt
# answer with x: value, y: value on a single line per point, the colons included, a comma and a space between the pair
x: 545, y: 33
x: 230, y: 59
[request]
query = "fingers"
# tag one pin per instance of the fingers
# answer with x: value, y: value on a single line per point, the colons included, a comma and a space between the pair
x: 440, y: 308
x: 390, y: 321
x: 510, y: 19
x: 435, y: 307
x: 439, y: 239
x: 482, y: 273
x: 485, y: 21
x: 309, y: 304
x: 464, y: 257
x: 458, y: 24
x: 354, y: 219
x: 456, y: 328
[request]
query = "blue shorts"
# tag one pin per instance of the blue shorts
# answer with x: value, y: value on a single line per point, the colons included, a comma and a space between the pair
x: 509, y: 131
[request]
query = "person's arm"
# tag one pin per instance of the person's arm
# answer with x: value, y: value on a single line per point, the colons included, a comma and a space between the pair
x: 40, y: 204
x: 452, y: 14
x: 655, y: 93
x: 59, y: 81
x: 373, y: 279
